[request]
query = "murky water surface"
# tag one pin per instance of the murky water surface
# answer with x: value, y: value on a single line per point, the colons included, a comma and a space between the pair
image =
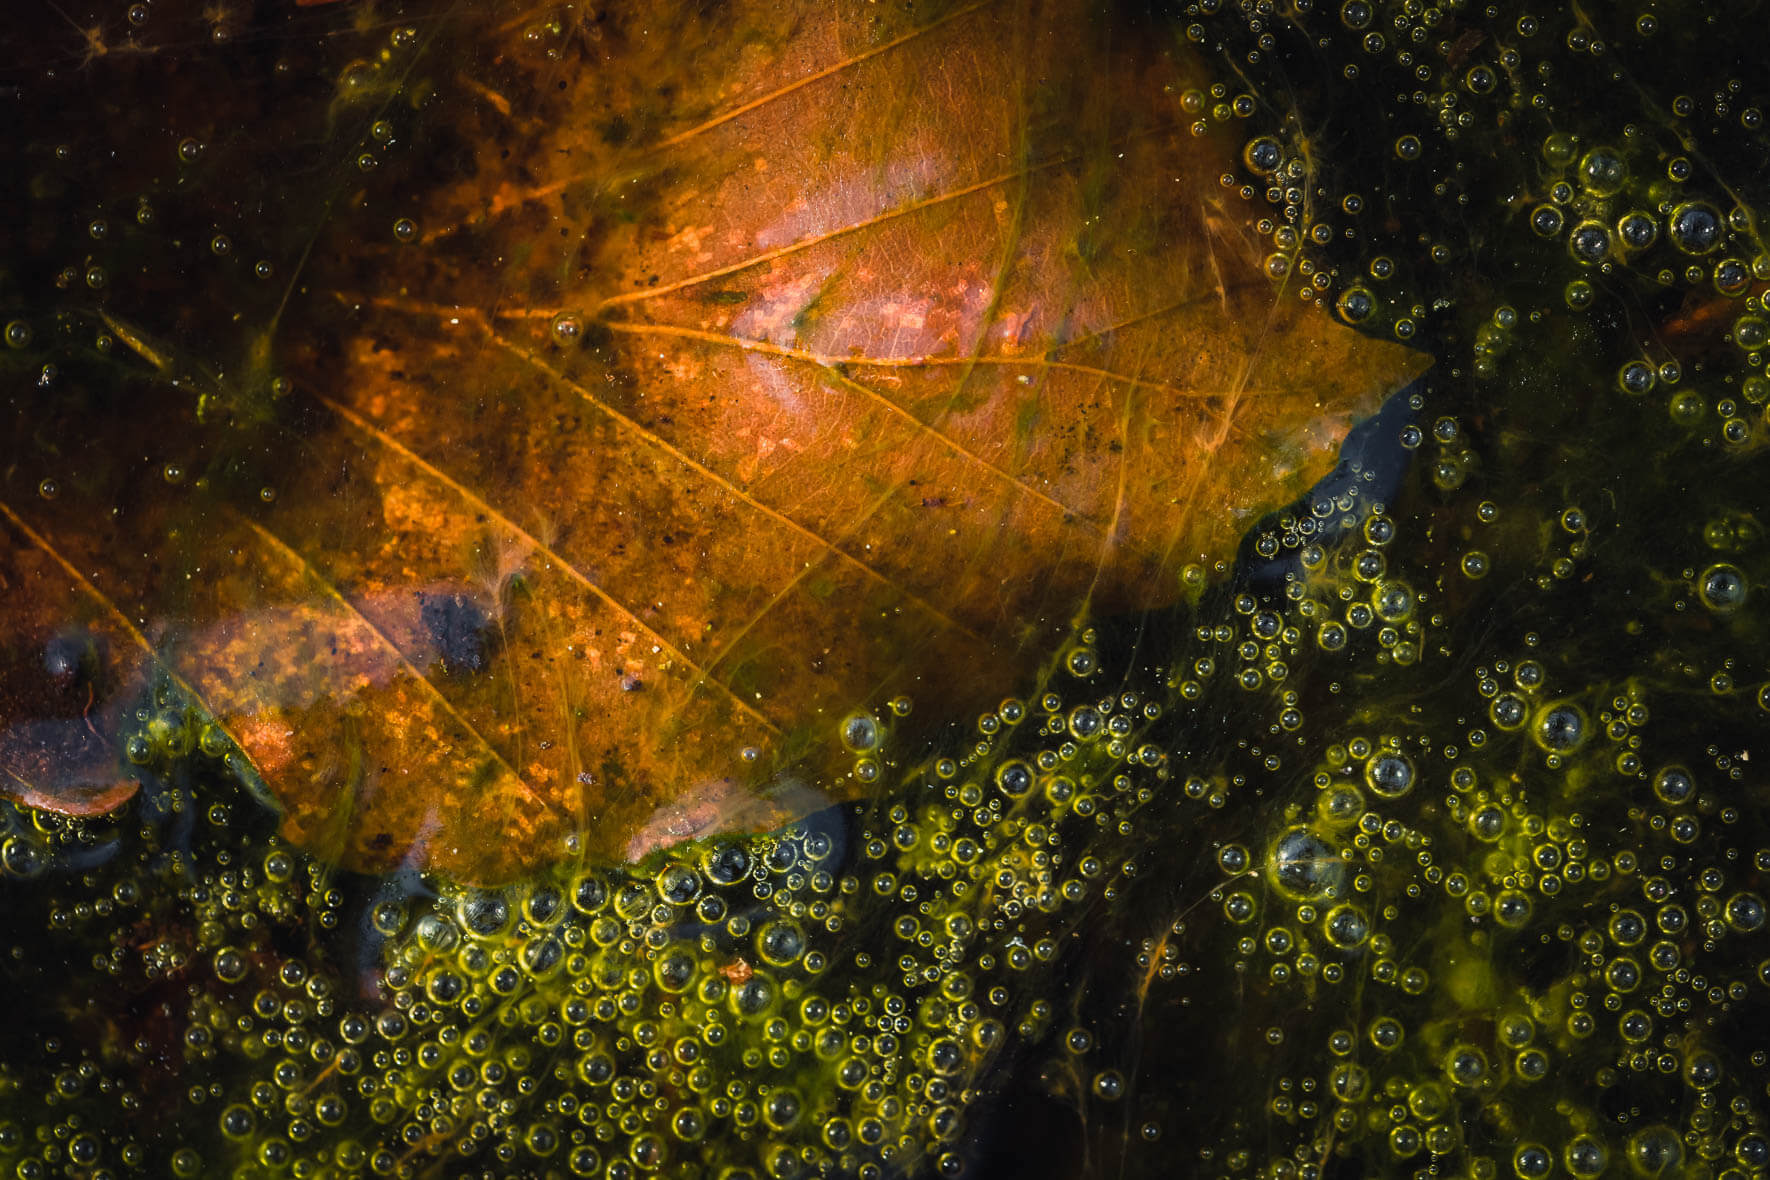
x: 1003, y: 589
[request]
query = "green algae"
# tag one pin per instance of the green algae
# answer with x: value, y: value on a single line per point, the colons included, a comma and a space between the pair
x: 1429, y: 842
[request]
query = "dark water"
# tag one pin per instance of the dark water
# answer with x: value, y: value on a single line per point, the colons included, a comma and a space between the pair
x: 1424, y: 835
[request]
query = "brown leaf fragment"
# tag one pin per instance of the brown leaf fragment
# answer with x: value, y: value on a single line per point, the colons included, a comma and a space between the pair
x: 66, y: 670
x: 82, y: 799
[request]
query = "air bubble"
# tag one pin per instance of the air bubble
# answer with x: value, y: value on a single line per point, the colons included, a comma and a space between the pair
x: 1636, y: 378
x: 1263, y: 155
x: 568, y: 328
x: 1346, y: 926
x: 1589, y: 242
x: 1603, y: 172
x: 1109, y: 1085
x: 1561, y: 728
x: 1355, y: 305
x: 860, y: 732
x: 1722, y: 588
x: 1547, y: 221
x: 1389, y: 775
x: 1304, y: 865
x: 1696, y: 227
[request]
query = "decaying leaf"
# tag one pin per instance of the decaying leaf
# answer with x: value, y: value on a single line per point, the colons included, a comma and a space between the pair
x: 700, y: 376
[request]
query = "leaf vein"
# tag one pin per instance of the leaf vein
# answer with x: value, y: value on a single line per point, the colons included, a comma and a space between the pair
x: 468, y: 494
x: 819, y: 75
x: 289, y: 553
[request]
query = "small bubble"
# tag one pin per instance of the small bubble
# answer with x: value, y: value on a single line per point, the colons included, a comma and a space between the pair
x: 1306, y: 866
x: 1014, y: 778
x: 1559, y: 148
x: 1696, y: 227
x: 1589, y: 242
x: 1561, y: 728
x: 1637, y: 230
x: 357, y: 79
x: 1636, y: 378
x: 1603, y: 172
x: 1355, y: 305
x: 1263, y: 155
x: 1466, y: 1065
x: 568, y: 328
x: 1686, y: 408
x: 1723, y: 588
x: 1346, y: 926
x: 1109, y: 1085
x: 1746, y: 912
x: 1356, y: 14
x: 1656, y: 1151
x: 860, y: 732
x: 1532, y: 1160
x: 1389, y: 775
x: 1507, y: 711
x: 1732, y: 277
x: 1673, y: 785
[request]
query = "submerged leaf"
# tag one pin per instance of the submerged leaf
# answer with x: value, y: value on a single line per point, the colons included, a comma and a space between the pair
x: 657, y: 390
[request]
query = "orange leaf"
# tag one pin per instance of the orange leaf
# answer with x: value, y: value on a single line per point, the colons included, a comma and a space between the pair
x: 736, y: 369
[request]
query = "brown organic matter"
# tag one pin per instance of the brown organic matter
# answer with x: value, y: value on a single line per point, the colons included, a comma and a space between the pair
x: 714, y: 373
